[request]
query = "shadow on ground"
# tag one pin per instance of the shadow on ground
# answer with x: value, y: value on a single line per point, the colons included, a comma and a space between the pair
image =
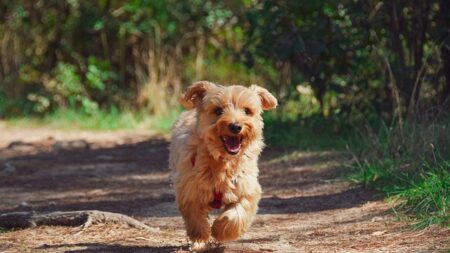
x: 133, y: 179
x: 116, y: 248
x: 346, y: 199
x: 113, y: 248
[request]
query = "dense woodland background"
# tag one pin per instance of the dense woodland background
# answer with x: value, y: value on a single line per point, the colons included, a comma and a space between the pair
x: 349, y: 58
x: 373, y: 73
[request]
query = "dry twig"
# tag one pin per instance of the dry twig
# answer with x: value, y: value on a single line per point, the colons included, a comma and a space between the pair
x: 83, y: 219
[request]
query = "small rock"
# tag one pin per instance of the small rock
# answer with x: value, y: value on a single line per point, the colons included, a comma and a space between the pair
x: 377, y: 233
x: 15, y: 144
x: 377, y: 218
x: 70, y: 145
x: 24, y: 206
x: 155, y: 195
x: 7, y: 169
x: 104, y: 157
x: 20, y: 145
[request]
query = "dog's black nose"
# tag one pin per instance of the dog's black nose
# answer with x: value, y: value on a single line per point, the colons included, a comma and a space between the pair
x: 235, y: 128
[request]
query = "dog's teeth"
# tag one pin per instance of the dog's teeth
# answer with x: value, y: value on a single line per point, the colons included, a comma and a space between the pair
x: 223, y: 138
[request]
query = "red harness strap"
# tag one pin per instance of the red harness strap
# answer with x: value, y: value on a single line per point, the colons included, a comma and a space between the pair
x: 217, y: 201
x: 193, y: 159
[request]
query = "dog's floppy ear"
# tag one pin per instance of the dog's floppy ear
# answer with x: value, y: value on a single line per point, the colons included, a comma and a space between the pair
x: 268, y: 101
x: 195, y: 93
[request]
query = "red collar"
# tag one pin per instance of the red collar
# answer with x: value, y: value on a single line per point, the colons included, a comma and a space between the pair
x: 217, y: 201
x: 193, y: 159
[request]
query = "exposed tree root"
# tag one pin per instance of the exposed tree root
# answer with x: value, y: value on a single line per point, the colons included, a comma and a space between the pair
x: 83, y: 219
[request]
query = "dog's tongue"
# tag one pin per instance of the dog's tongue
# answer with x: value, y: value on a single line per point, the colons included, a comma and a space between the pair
x: 233, y: 143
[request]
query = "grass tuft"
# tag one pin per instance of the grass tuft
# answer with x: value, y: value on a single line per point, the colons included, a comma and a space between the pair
x: 4, y: 230
x: 428, y: 197
x: 412, y: 166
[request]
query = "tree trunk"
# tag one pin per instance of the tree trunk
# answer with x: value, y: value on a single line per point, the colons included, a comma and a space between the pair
x: 399, y: 65
x: 444, y: 24
x: 418, y: 32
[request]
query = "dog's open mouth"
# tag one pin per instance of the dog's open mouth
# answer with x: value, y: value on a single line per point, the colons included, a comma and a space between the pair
x: 232, y: 144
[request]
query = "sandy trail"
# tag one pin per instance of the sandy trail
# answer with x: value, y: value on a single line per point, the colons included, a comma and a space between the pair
x: 307, y: 205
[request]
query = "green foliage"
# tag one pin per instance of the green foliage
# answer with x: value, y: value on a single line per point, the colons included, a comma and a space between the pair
x: 411, y: 165
x: 98, y: 74
x: 374, y: 172
x: 309, y: 133
x: 140, y: 54
x: 424, y: 195
x: 65, y: 90
x: 428, y: 197
x: 353, y: 54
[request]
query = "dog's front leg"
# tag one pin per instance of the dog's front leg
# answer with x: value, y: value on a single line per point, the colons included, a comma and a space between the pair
x: 195, y: 216
x: 235, y: 219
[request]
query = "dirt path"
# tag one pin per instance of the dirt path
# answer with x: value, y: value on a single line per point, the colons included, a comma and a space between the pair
x: 307, y: 206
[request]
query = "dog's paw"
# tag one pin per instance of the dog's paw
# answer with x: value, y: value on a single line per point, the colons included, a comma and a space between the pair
x: 199, y: 246
x: 225, y: 229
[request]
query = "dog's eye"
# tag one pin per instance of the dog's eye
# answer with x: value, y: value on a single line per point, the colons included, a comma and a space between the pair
x: 218, y: 111
x: 247, y: 111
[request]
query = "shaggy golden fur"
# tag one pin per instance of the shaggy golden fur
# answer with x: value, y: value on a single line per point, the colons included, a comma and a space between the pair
x: 214, y: 149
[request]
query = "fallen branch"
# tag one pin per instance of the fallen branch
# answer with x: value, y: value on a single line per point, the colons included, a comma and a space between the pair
x: 82, y: 219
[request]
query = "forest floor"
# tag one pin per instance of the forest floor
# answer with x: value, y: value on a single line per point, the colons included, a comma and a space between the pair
x: 307, y: 206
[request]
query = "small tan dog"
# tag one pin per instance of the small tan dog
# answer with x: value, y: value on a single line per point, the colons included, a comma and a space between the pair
x: 214, y: 153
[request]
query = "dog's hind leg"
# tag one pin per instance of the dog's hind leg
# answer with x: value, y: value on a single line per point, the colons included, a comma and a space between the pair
x: 235, y: 219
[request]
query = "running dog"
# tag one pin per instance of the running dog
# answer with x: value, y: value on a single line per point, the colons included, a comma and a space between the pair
x: 214, y: 153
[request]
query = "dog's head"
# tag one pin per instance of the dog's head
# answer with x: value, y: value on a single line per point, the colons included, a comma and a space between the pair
x: 229, y: 117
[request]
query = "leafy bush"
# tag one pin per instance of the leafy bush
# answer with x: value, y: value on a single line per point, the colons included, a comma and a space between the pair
x: 66, y: 86
x: 65, y: 89
x: 99, y: 74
